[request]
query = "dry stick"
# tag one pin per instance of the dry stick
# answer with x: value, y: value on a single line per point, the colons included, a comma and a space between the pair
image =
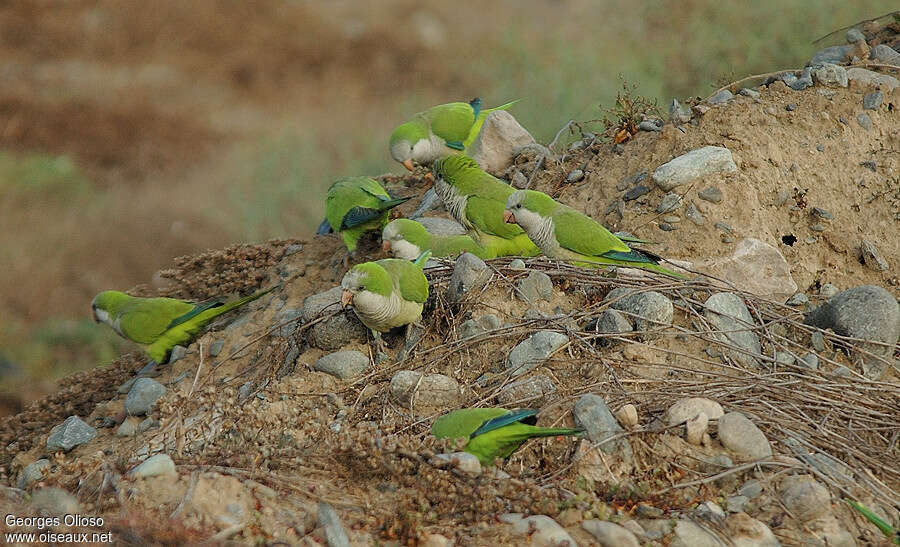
x: 717, y: 476
x: 854, y: 25
x: 544, y: 155
x: 197, y: 375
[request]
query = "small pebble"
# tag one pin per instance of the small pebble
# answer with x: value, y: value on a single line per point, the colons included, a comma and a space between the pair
x: 636, y: 192
x: 822, y: 213
x: 650, y: 125
x: 692, y: 214
x: 672, y: 219
x: 723, y: 227
x: 670, y: 202
x: 864, y: 121
x: 820, y: 147
x: 575, y: 176
x: 791, y: 107
x: 810, y: 361
x: 750, y: 489
x: 666, y: 227
x: 721, y: 97
x: 752, y: 93
x: 710, y: 194
x: 517, y: 264
x: 817, y: 341
x: 828, y: 290
x: 855, y: 35
x: 873, y: 100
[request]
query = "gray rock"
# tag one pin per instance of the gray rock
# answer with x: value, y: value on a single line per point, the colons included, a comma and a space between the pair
x: 146, y: 424
x: 126, y: 386
x: 610, y: 534
x: 740, y: 435
x: 723, y: 227
x: 470, y: 274
x: 885, y: 54
x: 465, y: 463
x: 330, y: 523
x: 533, y: 390
x: 334, y: 332
x: 828, y: 290
x: 685, y: 409
x: 830, y: 55
x: 804, y: 497
x: 216, y: 348
x: 803, y: 81
x: 690, y: 534
x: 855, y: 35
x: 871, y: 257
x: 864, y: 121
x: 650, y: 125
x: 636, y: 192
x: 495, y: 146
x: 666, y: 227
x: 798, y: 299
x: 653, y: 309
x: 670, y: 202
x: 693, y: 214
x: 677, y: 113
x: 711, y: 194
x: 831, y: 75
x: 873, y: 100
x: 474, y: 327
x: 128, y: 428
x: 154, y: 466
x: 143, y: 395
x: 790, y: 107
x: 867, y: 312
x: 54, y: 502
x: 746, y: 531
x: 721, y: 97
x: 534, y: 350
x: 784, y: 358
x: 574, y: 176
x: 541, y: 530
x: 537, y: 286
x: 32, y: 473
x: 710, y: 511
x: 673, y: 219
x: 726, y: 312
x: 441, y: 226
x: 343, y: 364
x: 886, y: 82
x: 810, y: 361
x: 817, y: 341
x: 291, y: 317
x: 69, y: 434
x: 423, y: 392
x: 178, y: 352
x: 747, y: 92
x: 750, y: 489
x: 696, y: 164
x: 517, y: 264
x: 592, y: 414
x: 610, y: 322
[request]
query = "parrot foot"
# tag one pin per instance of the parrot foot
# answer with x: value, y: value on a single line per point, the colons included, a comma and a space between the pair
x: 149, y: 371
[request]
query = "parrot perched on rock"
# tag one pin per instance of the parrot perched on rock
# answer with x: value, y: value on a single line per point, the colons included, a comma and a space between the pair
x: 160, y: 324
x: 407, y: 239
x: 387, y: 293
x: 439, y: 131
x: 564, y: 233
x: 476, y: 200
x: 493, y: 432
x: 354, y: 206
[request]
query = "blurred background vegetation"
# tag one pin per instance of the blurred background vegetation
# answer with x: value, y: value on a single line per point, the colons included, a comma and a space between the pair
x: 133, y: 132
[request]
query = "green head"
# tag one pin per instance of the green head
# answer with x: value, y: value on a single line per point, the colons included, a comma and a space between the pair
x: 404, y: 140
x: 108, y: 304
x: 365, y: 277
x: 405, y: 238
x: 528, y: 208
x: 452, y: 166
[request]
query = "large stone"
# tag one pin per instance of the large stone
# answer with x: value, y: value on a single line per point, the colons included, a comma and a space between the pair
x: 729, y: 317
x: 685, y: 409
x: 690, y: 534
x: 867, y: 312
x: 54, y: 502
x: 142, y: 396
x: 833, y: 54
x: 592, y: 414
x: 542, y: 531
x: 610, y: 534
x: 885, y: 54
x: 532, y: 390
x: 805, y: 498
x: 481, y: 325
x: 537, y: 286
x: 32, y: 473
x: 741, y: 436
x: 343, y: 364
x: 886, y: 82
x: 534, y: 350
x: 831, y: 75
x: 154, y: 466
x: 500, y: 135
x: 694, y: 165
x: 470, y: 274
x: 610, y: 322
x: 746, y: 531
x: 330, y: 523
x: 652, y: 309
x: 69, y: 434
x: 755, y: 267
x: 423, y: 392
x: 336, y: 331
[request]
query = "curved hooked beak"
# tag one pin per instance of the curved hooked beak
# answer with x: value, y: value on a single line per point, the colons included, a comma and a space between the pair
x: 509, y: 217
x: 386, y: 245
x: 408, y: 164
x: 346, y: 298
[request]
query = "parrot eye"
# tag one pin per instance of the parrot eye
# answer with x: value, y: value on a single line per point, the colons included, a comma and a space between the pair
x: 518, y: 206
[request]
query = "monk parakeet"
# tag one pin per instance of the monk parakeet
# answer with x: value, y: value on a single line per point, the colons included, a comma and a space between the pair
x: 493, y: 432
x: 439, y: 131
x: 564, y: 233
x: 407, y: 239
x: 476, y: 200
x: 159, y: 324
x: 387, y: 293
x: 356, y: 205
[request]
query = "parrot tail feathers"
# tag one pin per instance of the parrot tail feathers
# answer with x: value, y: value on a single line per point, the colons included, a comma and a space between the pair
x: 422, y: 258
x: 324, y: 228
x: 476, y: 105
x: 502, y: 106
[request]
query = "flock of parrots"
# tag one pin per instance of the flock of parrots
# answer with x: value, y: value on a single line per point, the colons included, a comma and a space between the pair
x: 390, y: 293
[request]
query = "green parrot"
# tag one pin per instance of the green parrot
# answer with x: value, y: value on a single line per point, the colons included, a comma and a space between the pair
x: 387, y: 293
x: 439, y: 131
x: 354, y: 206
x: 406, y: 239
x: 493, y: 432
x: 160, y: 324
x: 564, y: 233
x: 476, y: 200
x: 885, y: 528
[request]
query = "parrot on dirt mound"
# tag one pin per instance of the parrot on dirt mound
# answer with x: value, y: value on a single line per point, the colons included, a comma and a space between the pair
x: 565, y: 233
x: 160, y: 324
x: 354, y: 206
x: 476, y: 200
x: 439, y: 131
x: 387, y: 293
x: 407, y: 239
x: 493, y: 432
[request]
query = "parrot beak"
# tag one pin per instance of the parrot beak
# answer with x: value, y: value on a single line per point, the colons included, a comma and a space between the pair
x: 386, y: 246
x: 346, y: 298
x: 509, y: 217
x: 409, y: 165
x: 429, y: 180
